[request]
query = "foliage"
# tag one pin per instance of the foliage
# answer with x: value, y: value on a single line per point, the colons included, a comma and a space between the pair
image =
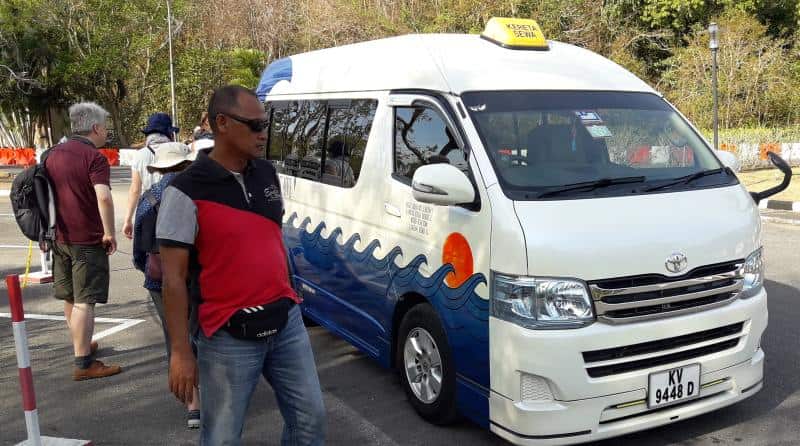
x: 80, y: 49
x: 756, y: 85
x: 25, y: 50
x: 780, y: 16
x: 675, y: 14
x: 56, y: 52
x: 754, y: 135
x: 198, y: 72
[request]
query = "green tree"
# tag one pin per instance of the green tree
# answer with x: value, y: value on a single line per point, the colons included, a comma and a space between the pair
x: 27, y: 51
x: 101, y: 50
x: 757, y: 86
x: 676, y: 14
x: 246, y: 67
x: 780, y: 16
x: 55, y: 52
x: 200, y: 71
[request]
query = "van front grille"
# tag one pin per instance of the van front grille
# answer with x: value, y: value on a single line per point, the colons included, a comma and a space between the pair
x: 661, y: 345
x: 614, y: 369
x: 651, y: 296
x: 628, y: 358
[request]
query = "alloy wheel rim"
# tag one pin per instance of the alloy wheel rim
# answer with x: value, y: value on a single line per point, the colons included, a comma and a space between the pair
x: 423, y: 365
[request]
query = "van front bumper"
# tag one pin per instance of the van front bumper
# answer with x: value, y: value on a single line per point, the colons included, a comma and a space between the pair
x: 582, y: 409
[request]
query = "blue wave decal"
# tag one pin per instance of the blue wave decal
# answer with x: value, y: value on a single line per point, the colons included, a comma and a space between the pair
x: 277, y: 71
x: 373, y: 286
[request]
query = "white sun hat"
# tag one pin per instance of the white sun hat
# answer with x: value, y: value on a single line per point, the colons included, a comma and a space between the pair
x: 203, y: 143
x: 170, y: 154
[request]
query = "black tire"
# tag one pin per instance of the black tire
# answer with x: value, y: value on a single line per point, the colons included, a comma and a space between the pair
x: 442, y: 410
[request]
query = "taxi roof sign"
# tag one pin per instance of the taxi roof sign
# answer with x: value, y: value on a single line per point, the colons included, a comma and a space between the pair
x: 517, y: 34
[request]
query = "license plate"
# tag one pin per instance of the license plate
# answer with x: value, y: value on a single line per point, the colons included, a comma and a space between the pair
x: 671, y: 386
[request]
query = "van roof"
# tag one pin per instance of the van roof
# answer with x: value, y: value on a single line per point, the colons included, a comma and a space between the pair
x: 453, y: 63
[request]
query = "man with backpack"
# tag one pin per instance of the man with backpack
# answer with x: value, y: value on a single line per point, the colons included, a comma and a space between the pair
x: 84, y: 236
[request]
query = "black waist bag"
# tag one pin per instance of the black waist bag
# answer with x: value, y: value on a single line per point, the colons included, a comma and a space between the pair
x: 259, y: 322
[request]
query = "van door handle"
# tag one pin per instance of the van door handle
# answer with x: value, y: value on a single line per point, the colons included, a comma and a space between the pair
x: 392, y: 210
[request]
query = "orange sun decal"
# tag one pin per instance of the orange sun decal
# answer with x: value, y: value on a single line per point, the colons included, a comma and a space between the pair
x: 456, y: 251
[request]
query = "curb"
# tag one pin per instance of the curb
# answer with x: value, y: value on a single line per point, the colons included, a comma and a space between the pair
x: 780, y: 205
x: 785, y: 221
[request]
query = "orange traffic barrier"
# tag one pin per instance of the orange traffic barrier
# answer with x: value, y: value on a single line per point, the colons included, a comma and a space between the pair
x: 640, y: 155
x: 112, y: 155
x: 25, y: 157
x: 765, y: 148
x: 17, y: 156
x: 6, y: 156
x: 728, y: 147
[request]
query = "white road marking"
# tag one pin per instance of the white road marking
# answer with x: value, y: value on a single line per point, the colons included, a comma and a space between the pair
x: 5, y: 192
x: 15, y: 246
x: 123, y: 323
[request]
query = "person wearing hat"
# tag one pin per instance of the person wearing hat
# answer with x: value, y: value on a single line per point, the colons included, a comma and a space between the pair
x: 203, y: 143
x: 159, y: 130
x: 170, y: 158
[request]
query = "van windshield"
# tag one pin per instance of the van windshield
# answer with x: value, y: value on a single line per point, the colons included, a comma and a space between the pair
x: 560, y: 145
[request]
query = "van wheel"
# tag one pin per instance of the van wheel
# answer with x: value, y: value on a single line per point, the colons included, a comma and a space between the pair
x: 426, y: 365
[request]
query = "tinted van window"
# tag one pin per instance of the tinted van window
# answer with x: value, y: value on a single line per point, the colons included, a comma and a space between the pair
x: 321, y: 140
x: 422, y: 137
x: 545, y: 145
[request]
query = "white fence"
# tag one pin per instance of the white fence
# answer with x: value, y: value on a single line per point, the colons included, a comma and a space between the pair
x: 750, y: 155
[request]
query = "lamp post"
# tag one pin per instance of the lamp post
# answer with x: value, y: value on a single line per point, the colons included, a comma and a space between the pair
x: 713, y: 44
x: 171, y: 68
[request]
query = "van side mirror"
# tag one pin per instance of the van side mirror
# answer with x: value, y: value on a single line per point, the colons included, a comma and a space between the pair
x: 729, y: 160
x: 442, y: 184
x: 784, y: 167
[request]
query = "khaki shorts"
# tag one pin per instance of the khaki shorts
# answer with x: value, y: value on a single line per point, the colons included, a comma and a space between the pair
x: 81, y: 273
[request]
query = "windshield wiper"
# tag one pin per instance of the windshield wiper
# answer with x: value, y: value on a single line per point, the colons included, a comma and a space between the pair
x: 685, y: 179
x: 590, y: 185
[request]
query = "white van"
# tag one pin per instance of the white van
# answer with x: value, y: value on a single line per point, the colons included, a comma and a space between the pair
x: 529, y: 233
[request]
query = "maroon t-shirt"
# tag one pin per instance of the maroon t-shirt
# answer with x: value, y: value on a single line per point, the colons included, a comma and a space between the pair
x: 74, y: 168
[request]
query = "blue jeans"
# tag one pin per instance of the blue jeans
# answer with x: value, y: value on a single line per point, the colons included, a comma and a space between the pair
x: 230, y: 368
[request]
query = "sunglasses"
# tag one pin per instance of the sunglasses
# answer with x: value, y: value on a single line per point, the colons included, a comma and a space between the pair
x: 255, y: 125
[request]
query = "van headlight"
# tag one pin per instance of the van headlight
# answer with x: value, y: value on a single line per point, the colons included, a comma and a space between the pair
x: 541, y: 303
x: 753, y: 274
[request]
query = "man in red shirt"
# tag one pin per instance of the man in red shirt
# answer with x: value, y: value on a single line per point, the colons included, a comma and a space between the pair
x: 80, y: 176
x: 219, y: 232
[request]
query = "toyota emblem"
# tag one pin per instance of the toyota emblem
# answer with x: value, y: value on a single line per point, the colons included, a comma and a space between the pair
x: 676, y: 262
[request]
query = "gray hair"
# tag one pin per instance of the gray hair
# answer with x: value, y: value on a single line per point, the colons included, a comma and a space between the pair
x: 84, y: 115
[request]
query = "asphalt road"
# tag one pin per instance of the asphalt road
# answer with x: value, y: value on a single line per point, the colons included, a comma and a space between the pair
x: 365, y: 403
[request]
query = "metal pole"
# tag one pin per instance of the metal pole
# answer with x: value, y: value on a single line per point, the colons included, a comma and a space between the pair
x: 716, y: 99
x: 23, y: 361
x: 171, y: 65
x: 713, y: 44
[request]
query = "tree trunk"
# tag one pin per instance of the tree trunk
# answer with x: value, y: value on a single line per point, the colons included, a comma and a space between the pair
x: 116, y: 116
x: 59, y: 123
